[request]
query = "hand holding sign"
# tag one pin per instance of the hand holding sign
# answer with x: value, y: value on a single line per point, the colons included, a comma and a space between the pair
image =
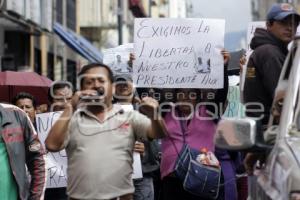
x: 178, y: 53
x: 226, y: 56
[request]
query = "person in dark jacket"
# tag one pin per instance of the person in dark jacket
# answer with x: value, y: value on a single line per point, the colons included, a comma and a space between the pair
x: 20, y: 147
x: 265, y: 65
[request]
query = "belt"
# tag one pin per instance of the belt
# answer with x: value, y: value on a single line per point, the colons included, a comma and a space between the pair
x: 124, y: 197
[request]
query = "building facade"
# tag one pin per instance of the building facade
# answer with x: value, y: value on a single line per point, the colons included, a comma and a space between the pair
x: 99, y: 21
x: 27, y: 40
x: 104, y: 22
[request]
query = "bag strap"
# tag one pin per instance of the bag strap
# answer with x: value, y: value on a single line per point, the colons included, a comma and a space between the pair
x: 182, y: 130
x: 183, y: 135
x: 182, y: 127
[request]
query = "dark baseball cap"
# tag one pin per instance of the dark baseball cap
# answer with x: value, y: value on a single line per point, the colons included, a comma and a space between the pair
x: 123, y: 77
x: 279, y: 11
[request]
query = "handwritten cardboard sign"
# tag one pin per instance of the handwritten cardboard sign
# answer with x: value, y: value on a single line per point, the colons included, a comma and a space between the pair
x: 178, y: 53
x: 56, y: 162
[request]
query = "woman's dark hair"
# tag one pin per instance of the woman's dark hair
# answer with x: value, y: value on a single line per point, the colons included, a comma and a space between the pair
x: 24, y: 95
x: 87, y: 67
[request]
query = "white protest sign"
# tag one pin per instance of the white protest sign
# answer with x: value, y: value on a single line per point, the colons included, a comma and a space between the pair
x: 117, y: 58
x: 56, y: 162
x: 137, y: 166
x: 178, y: 53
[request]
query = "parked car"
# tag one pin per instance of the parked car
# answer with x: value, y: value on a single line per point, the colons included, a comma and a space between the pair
x: 280, y: 176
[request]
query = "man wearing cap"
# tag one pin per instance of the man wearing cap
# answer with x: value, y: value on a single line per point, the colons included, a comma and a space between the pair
x: 265, y: 64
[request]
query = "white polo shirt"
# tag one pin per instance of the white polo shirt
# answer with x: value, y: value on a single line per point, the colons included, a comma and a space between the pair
x: 100, y: 153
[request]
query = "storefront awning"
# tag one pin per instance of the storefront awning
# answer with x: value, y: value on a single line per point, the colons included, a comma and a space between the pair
x: 78, y: 43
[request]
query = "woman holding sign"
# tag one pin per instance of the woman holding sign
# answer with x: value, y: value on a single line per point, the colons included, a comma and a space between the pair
x: 191, y: 121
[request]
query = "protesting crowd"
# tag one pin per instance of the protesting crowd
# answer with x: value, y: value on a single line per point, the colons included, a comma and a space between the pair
x: 128, y: 135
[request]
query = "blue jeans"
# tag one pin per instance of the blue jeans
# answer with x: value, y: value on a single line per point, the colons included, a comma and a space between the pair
x: 143, y: 189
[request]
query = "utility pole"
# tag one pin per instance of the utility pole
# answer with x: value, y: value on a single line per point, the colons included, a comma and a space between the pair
x: 188, y: 8
x: 150, y: 8
x: 120, y: 21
